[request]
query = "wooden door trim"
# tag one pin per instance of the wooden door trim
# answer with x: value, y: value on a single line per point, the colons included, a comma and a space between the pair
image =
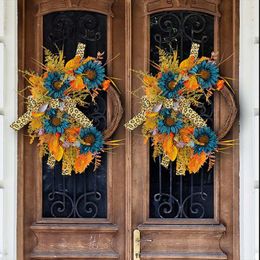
x: 190, y: 236
x: 185, y: 5
x: 226, y: 218
x: 204, y: 6
x: 45, y: 7
x: 101, y: 6
x: 21, y: 108
x: 128, y: 134
x: 32, y: 229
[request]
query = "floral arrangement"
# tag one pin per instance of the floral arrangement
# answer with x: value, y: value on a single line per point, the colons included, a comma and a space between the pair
x: 176, y: 131
x: 63, y: 131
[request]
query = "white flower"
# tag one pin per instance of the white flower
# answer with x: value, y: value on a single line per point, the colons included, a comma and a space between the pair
x: 62, y: 106
x: 43, y: 108
x: 76, y: 144
x: 176, y: 106
x: 157, y: 108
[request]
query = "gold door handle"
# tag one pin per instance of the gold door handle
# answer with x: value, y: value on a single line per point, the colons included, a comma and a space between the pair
x: 137, y: 244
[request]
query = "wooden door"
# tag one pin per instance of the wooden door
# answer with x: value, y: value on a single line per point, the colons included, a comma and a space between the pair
x: 93, y: 216
x: 81, y: 217
x: 186, y: 217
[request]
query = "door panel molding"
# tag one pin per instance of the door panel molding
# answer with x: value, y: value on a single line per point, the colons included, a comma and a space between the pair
x: 186, y: 241
x: 206, y: 6
x: 102, y: 6
x: 128, y: 134
x: 95, y: 240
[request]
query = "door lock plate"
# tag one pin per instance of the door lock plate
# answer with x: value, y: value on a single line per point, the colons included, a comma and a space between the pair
x: 137, y: 244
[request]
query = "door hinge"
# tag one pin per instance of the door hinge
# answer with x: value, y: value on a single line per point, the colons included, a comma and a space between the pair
x: 137, y: 244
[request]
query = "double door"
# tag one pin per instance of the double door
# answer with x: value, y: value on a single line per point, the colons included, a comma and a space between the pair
x: 130, y: 208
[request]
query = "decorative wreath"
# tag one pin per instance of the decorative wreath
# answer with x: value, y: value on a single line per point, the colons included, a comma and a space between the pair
x: 176, y: 131
x: 64, y: 132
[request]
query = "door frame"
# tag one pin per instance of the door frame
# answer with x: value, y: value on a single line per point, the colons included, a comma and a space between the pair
x: 35, y: 233
x: 231, y: 237
x: 225, y: 225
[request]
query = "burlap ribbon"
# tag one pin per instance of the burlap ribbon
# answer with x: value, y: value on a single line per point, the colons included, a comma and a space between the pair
x: 34, y: 106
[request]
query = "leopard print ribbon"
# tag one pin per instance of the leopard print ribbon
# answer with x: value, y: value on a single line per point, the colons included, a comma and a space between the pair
x: 165, y: 161
x: 180, y: 167
x: 81, y: 50
x: 32, y: 106
x: 195, y: 50
x: 74, y: 112
x: 66, y: 168
x: 51, y: 161
x: 69, y: 107
x: 188, y: 112
x: 137, y: 120
x: 147, y: 106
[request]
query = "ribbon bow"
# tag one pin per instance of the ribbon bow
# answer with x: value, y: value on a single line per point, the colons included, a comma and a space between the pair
x: 148, y: 106
x: 69, y: 107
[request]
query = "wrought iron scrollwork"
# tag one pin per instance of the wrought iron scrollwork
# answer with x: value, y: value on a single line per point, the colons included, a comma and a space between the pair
x: 190, y: 196
x: 62, y: 29
x: 177, y: 30
x: 172, y: 196
x: 77, y: 196
x: 87, y: 28
x: 66, y: 29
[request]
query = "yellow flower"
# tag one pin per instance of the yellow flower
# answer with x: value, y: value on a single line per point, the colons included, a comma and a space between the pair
x: 187, y: 64
x: 151, y: 86
x: 73, y: 64
x: 37, y: 86
x: 150, y: 122
x: 36, y: 122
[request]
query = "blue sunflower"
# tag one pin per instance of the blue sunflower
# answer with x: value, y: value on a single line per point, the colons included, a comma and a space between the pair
x: 169, y: 86
x: 56, y: 85
x: 207, y: 138
x: 207, y: 74
x: 54, y: 123
x: 169, y: 124
x: 93, y: 140
x: 93, y: 74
